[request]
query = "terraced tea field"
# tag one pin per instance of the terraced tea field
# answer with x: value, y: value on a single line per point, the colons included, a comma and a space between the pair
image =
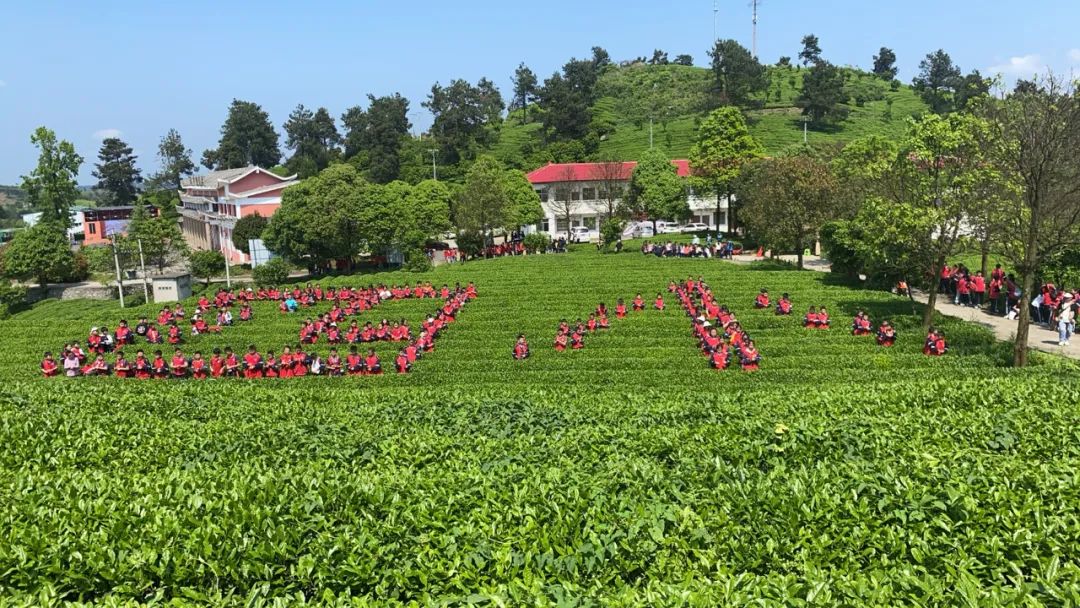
x: 625, y: 474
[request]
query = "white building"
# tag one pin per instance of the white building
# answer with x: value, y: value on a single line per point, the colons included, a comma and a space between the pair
x: 76, y: 216
x: 586, y: 184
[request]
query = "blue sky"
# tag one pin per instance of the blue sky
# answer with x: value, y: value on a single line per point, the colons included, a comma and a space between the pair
x: 88, y: 69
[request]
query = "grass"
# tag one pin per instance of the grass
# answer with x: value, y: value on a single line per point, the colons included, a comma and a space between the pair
x: 625, y: 474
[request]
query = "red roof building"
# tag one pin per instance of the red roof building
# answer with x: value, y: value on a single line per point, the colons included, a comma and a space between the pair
x: 213, y: 202
x: 581, y: 189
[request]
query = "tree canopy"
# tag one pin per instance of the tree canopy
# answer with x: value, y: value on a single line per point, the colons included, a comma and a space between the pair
x: 41, y: 252
x: 377, y: 135
x: 723, y: 148
x: 117, y: 174
x: 656, y: 191
x: 52, y: 186
x: 737, y: 75
x: 247, y: 138
x: 313, y: 137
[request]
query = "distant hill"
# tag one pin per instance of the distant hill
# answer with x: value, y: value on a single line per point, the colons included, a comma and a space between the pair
x: 12, y: 195
x: 677, y: 97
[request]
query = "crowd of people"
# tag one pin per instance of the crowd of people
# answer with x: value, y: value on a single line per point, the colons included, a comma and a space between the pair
x: 572, y: 337
x: 694, y: 249
x: 292, y: 361
x: 721, y: 337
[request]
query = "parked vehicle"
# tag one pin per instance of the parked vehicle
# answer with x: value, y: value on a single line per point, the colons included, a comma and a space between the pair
x: 694, y: 227
x: 664, y: 227
x: 579, y: 234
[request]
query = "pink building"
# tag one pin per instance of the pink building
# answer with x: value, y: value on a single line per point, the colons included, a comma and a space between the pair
x: 213, y: 202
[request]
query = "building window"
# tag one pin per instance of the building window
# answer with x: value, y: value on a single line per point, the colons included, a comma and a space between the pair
x: 543, y: 195
x: 543, y: 225
x: 575, y: 195
x: 589, y: 222
x: 561, y: 225
x: 721, y: 218
x: 588, y: 194
x: 92, y: 227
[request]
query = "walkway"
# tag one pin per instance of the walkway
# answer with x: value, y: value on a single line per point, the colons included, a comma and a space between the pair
x: 1039, y: 337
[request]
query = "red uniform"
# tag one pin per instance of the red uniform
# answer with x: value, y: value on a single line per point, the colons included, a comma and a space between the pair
x: 253, y: 365
x: 373, y: 364
x: 49, y: 367
x: 198, y: 369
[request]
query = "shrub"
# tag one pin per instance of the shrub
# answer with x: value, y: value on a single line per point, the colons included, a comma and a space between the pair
x: 610, y: 231
x: 416, y: 261
x: 536, y: 242
x: 12, y: 297
x: 272, y: 273
x: 207, y: 264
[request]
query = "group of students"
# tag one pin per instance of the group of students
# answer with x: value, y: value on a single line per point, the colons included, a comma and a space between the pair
x: 291, y: 362
x: 573, y: 336
x: 721, y: 337
x: 695, y: 249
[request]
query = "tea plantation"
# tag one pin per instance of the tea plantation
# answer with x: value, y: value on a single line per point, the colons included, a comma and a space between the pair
x: 625, y: 474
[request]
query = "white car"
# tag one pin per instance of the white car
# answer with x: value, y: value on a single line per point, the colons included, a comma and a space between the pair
x: 694, y: 227
x: 579, y: 234
x: 667, y: 228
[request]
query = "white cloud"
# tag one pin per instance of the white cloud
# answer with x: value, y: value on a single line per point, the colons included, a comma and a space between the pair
x: 107, y: 133
x: 1074, y: 56
x: 1024, y: 65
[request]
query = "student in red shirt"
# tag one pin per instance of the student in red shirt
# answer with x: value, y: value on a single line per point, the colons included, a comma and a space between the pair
x: 122, y: 367
x: 822, y: 319
x: 271, y: 365
x: 198, y: 366
x: 562, y: 340
x: 412, y: 351
x: 217, y: 364
x: 811, y: 318
x: 886, y: 335
x: 591, y: 325
x: 354, y: 363
x: 97, y: 368
x: 521, y: 348
x: 372, y: 363
x: 783, y: 307
x: 860, y: 325
x: 232, y: 363
x: 935, y: 344
x: 620, y: 309
x: 720, y: 358
x: 179, y: 365
x: 123, y: 334
x: 402, y: 363
x: 300, y: 362
x: 978, y: 289
x: 159, y: 366
x: 245, y: 312
x: 750, y: 358
x: 659, y: 303
x: 285, y: 363
x: 762, y: 299
x: 49, y: 366
x: 253, y: 363
x: 639, y: 303
x: 577, y: 339
x: 333, y: 363
x: 142, y: 366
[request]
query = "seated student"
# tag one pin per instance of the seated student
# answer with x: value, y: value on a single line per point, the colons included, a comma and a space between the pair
x: 93, y: 341
x: 562, y: 340
x: 639, y: 303
x: 659, y: 303
x: 141, y: 327
x: 591, y: 326
x: 352, y: 335
x: 603, y: 323
x: 233, y: 366
x: 601, y: 310
x: 749, y: 357
x: 72, y: 366
x: 860, y: 325
x: 620, y: 309
x: 198, y: 366
x: 783, y: 307
x: 354, y: 363
x: 368, y: 333
x: 413, y: 352
x: 426, y: 341
x: 372, y: 363
x: 301, y: 362
x: 158, y: 366
x: 333, y: 363
x: 711, y: 340
x: 253, y: 363
x: 246, y: 312
x: 285, y: 362
x: 886, y: 335
x: 271, y: 365
x: 577, y: 339
x: 811, y: 318
x: 142, y: 366
x: 521, y: 348
x: 402, y: 363
x: 762, y: 299
x: 123, y: 334
x: 720, y: 357
x: 935, y: 344
x: 470, y: 291
x: 283, y: 307
x: 174, y: 333
x: 97, y: 367
x: 49, y: 366
x: 122, y: 367
x: 217, y: 363
x: 179, y: 365
x: 199, y: 325
x: 822, y: 318
x: 333, y: 334
x: 316, y: 364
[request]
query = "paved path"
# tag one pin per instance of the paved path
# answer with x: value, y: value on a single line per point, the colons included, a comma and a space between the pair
x: 1039, y: 337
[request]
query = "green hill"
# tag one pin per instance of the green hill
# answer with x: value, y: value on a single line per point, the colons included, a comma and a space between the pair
x: 677, y: 97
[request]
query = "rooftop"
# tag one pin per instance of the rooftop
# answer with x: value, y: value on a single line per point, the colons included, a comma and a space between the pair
x: 588, y: 172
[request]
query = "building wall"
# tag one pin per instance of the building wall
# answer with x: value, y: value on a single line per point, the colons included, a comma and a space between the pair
x: 263, y: 209
x: 255, y: 180
x: 94, y: 233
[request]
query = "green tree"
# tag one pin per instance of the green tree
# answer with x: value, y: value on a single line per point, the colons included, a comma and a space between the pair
x: 787, y: 199
x: 430, y: 204
x: 524, y: 90
x: 861, y: 167
x: 247, y: 138
x: 116, y: 172
x: 377, y: 136
x: 175, y: 161
x: 318, y: 220
x: 271, y: 274
x: 938, y: 81
x: 811, y: 51
x: 655, y: 191
x: 41, y: 252
x: 248, y: 227
x: 684, y: 60
x: 481, y: 204
x: 566, y: 98
x: 52, y: 186
x: 207, y: 264
x: 885, y: 64
x: 659, y: 57
x: 1036, y: 136
x: 522, y: 202
x: 313, y: 137
x: 162, y: 241
x: 723, y: 147
x: 466, y: 117
x: 823, y: 99
x: 737, y: 75
x: 971, y: 87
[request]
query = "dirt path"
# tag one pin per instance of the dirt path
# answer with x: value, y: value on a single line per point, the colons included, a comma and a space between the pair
x: 1040, y: 337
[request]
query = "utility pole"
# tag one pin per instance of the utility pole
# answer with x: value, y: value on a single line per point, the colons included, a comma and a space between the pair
x: 650, y: 132
x: 805, y: 122
x: 715, y: 10
x: 119, y: 279
x: 434, y: 173
x: 228, y: 275
x: 754, y: 3
x: 142, y: 265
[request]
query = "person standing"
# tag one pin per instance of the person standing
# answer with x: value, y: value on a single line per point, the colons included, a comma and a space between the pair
x: 1066, y: 319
